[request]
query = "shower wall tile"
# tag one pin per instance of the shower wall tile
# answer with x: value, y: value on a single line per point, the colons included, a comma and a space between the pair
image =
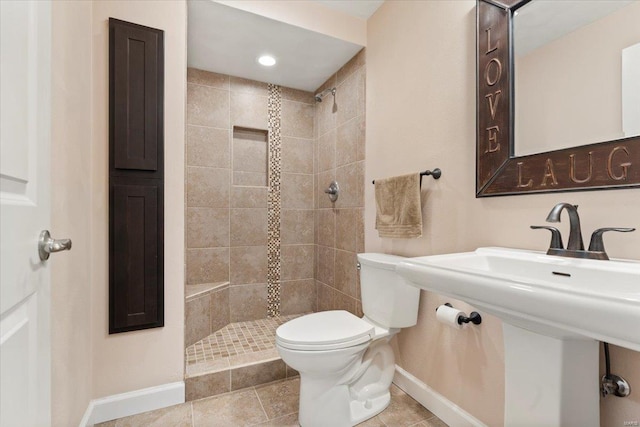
x: 207, y: 227
x: 297, y: 262
x: 297, y: 155
x: 362, y: 138
x: 239, y: 84
x: 248, y: 264
x: 248, y: 227
x: 297, y: 191
x: 324, y: 294
x: 207, y: 78
x: 351, y: 180
x: 207, y: 106
x: 348, y: 99
x: 327, y: 151
x: 298, y: 95
x: 297, y: 119
x: 207, y: 187
x: 350, y: 67
x: 249, y: 110
x: 345, y: 273
x: 326, y: 262
x: 360, y: 232
x: 249, y: 179
x: 247, y: 302
x: 208, y: 147
x: 326, y: 227
x: 344, y: 302
x: 298, y: 296
x: 197, y: 320
x: 347, y: 142
x: 208, y: 265
x: 359, y: 312
x: 297, y: 226
x: 331, y: 299
x: 219, y: 309
x: 339, y: 156
x: 346, y: 228
x: 248, y: 197
x: 226, y: 203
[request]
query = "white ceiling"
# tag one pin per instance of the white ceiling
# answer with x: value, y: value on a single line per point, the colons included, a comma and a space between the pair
x: 227, y: 40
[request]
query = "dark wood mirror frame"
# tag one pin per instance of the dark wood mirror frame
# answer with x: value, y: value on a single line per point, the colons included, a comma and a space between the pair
x: 605, y: 165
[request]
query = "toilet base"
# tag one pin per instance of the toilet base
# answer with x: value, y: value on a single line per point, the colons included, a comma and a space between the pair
x: 362, y: 411
x: 334, y: 409
x: 346, y: 397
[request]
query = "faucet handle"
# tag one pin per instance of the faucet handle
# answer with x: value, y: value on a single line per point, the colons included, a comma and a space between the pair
x: 556, y: 238
x: 597, y: 244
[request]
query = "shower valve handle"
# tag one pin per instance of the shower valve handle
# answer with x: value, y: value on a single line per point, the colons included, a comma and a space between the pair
x: 333, y: 191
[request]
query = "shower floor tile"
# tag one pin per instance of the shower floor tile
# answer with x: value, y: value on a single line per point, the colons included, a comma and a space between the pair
x: 236, y: 339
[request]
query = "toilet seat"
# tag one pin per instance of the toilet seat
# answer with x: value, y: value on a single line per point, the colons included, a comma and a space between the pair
x: 326, y: 330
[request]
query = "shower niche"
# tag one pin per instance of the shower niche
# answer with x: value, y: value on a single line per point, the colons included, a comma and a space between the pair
x: 249, y: 158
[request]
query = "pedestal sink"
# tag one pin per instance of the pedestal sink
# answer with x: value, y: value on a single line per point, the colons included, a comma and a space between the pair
x: 554, y: 312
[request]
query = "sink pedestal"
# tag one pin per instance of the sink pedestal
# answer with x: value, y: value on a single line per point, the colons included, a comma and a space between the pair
x: 554, y: 310
x: 551, y: 382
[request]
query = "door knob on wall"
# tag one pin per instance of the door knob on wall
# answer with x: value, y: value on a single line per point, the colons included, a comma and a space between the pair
x: 47, y: 245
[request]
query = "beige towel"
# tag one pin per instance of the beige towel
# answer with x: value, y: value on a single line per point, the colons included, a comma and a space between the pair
x: 398, y: 210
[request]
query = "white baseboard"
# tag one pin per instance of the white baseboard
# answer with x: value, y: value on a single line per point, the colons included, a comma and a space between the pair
x: 132, y: 403
x: 441, y: 407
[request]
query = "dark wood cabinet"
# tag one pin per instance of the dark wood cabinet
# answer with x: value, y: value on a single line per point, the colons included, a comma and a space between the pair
x: 136, y: 177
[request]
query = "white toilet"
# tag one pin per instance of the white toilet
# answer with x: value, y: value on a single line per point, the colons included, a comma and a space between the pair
x: 346, y: 364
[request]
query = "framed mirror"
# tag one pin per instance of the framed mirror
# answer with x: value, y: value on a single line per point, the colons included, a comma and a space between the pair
x: 558, y: 96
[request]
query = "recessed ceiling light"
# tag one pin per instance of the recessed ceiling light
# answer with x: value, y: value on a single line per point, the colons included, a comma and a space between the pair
x: 267, y: 60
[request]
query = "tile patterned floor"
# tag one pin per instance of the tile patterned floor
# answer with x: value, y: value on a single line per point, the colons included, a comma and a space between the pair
x: 273, y: 404
x: 236, y: 339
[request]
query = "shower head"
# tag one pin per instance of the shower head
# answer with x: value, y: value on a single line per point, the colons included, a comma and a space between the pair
x: 324, y: 93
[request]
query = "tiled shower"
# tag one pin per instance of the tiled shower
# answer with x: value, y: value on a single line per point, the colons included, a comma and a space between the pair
x: 243, y: 139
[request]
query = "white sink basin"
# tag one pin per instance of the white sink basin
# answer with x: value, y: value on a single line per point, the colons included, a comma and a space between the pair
x: 554, y: 312
x: 551, y: 295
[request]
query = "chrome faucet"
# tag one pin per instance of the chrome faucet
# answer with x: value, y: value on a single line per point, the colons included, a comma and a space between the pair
x: 575, y: 246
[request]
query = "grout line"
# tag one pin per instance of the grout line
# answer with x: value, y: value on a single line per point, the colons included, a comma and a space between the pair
x: 208, y: 127
x: 209, y: 86
x: 193, y: 418
x: 260, y: 402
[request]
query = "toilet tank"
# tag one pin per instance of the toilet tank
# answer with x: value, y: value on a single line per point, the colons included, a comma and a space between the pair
x: 387, y: 298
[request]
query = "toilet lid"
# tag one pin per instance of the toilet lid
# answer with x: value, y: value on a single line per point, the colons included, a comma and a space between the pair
x: 326, y: 330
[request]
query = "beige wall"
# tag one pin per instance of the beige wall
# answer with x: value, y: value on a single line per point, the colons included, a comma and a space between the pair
x: 586, y: 85
x: 421, y: 114
x: 340, y: 156
x: 135, y: 360
x: 71, y: 202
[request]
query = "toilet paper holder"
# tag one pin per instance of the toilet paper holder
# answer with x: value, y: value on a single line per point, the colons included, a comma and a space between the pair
x: 474, y: 317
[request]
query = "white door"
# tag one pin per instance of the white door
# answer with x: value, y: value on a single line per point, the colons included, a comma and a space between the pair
x: 25, y: 81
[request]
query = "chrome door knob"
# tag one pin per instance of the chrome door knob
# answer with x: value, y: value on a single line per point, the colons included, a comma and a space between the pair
x: 47, y: 245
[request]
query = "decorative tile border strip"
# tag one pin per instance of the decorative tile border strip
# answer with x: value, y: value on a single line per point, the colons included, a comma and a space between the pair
x: 274, y: 201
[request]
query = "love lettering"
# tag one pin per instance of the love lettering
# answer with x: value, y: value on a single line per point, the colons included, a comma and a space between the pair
x: 491, y: 76
x: 616, y: 163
